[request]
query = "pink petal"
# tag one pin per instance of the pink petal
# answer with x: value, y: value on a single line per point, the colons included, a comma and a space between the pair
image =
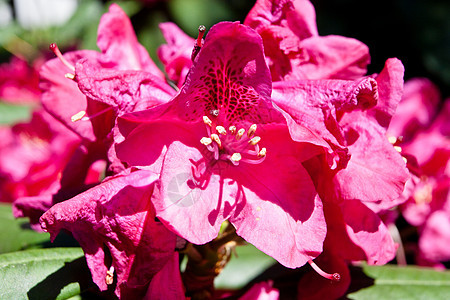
x: 261, y: 291
x: 126, y: 91
x: 416, y: 109
x: 116, y: 215
x: 117, y: 40
x: 167, y: 284
x: 176, y: 54
x: 61, y: 96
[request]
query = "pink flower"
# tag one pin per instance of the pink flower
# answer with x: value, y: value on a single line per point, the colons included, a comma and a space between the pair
x: 416, y: 110
x: 352, y: 116
x: 115, y: 225
x: 19, y: 81
x: 176, y: 54
x: 33, y: 156
x: 428, y: 195
x: 103, y: 86
x: 294, y: 49
x: 210, y: 162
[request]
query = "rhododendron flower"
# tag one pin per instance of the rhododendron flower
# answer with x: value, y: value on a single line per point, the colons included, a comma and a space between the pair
x: 352, y: 117
x: 19, y: 81
x: 176, y: 54
x: 100, y: 86
x: 115, y: 225
x: 428, y: 193
x: 212, y: 167
x: 33, y: 155
x: 294, y: 49
x: 416, y: 110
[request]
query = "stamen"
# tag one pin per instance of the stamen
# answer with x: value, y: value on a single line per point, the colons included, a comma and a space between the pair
x: 392, y: 140
x: 254, y: 140
x: 109, y: 276
x: 236, y: 157
x: 240, y: 133
x: 58, y: 54
x: 232, y: 129
x: 405, y: 159
x: 334, y: 276
x: 70, y: 76
x: 201, y: 32
x: 221, y: 130
x: 251, y: 130
x: 398, y: 149
x: 207, y: 121
x: 262, y: 153
x: 216, y: 139
x: 78, y: 116
x: 206, y: 141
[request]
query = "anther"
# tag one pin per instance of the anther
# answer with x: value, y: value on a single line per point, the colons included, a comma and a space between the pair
x: 236, y: 157
x: 255, y: 140
x: 221, y: 130
x: 262, y: 153
x: 216, y: 139
x: 206, y: 141
x: 398, y: 149
x: 392, y: 140
x: 109, y: 276
x: 232, y: 129
x: 251, y: 130
x: 334, y: 276
x: 58, y: 54
x: 69, y: 76
x: 207, y: 120
x: 78, y: 116
x: 240, y: 133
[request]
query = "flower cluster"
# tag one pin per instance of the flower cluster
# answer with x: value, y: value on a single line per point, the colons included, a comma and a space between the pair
x: 263, y: 132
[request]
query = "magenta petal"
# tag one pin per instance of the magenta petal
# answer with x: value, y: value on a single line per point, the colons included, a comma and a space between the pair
x: 263, y: 291
x: 117, y: 40
x: 435, y: 237
x: 416, y: 109
x: 61, y: 96
x: 126, y: 91
x: 328, y: 57
x: 373, y: 159
x: 371, y: 235
x: 297, y: 15
x: 116, y: 215
x: 167, y: 284
x: 390, y: 90
x: 194, y: 208
x: 176, y: 54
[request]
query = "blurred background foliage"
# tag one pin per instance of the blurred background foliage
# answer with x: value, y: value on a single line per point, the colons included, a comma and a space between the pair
x: 416, y: 31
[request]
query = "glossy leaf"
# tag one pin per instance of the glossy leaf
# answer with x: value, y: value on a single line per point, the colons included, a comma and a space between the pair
x: 395, y: 282
x: 15, y: 234
x: 248, y: 263
x: 57, y: 273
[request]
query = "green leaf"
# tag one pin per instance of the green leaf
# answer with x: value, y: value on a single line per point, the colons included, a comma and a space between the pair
x: 56, y: 273
x: 10, y: 113
x: 16, y: 234
x: 393, y: 282
x: 241, y: 269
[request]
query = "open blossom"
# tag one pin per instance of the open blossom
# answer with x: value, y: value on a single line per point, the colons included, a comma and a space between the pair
x: 86, y: 91
x: 114, y: 222
x: 212, y: 157
x: 428, y: 193
x: 33, y: 156
x: 19, y: 81
x: 352, y: 116
x: 295, y: 50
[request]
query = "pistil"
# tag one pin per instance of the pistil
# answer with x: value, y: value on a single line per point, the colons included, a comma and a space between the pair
x: 334, y: 276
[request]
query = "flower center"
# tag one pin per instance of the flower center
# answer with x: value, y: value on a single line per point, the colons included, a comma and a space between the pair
x: 233, y: 145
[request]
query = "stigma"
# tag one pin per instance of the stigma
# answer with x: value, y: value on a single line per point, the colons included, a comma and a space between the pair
x: 233, y: 145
